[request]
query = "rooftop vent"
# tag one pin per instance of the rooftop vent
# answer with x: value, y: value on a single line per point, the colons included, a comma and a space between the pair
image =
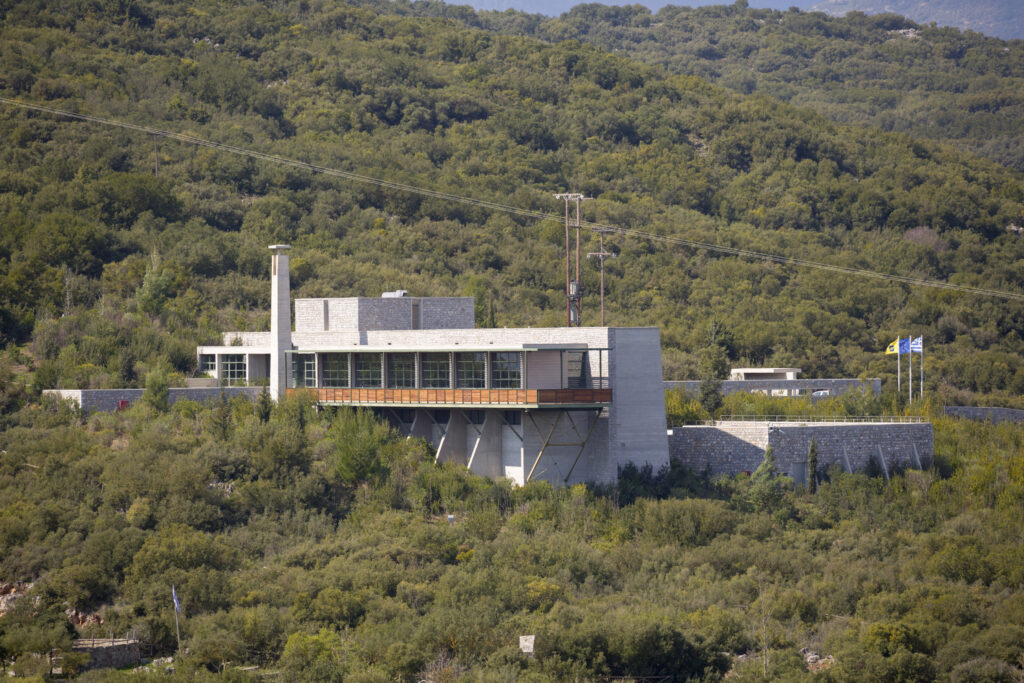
x: 397, y: 294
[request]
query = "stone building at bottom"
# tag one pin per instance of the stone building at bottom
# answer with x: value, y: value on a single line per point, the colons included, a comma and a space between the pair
x: 565, y: 405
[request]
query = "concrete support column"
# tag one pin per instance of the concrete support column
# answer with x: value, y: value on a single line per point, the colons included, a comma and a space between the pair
x: 487, y: 454
x: 280, y: 319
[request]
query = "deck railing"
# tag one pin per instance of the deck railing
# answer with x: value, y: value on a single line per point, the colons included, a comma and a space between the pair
x: 441, y: 397
x: 912, y: 419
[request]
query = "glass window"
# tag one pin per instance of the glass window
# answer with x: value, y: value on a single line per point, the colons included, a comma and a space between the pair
x: 367, y: 369
x: 577, y: 367
x: 335, y: 369
x: 232, y: 367
x: 401, y: 370
x: 303, y: 371
x: 506, y: 370
x: 434, y: 371
x: 471, y: 370
x: 208, y: 364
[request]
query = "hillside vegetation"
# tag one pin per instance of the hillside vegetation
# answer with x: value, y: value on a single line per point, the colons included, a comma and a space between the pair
x: 883, y: 71
x: 318, y: 546
x: 99, y: 245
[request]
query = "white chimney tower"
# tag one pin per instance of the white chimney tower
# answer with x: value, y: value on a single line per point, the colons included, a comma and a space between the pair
x: 280, y: 320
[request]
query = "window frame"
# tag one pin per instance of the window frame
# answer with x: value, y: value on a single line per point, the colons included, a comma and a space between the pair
x: 462, y: 381
x: 366, y: 367
x: 431, y: 376
x: 506, y: 370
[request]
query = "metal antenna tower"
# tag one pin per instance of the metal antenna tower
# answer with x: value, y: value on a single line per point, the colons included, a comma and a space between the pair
x: 602, y: 255
x: 573, y: 287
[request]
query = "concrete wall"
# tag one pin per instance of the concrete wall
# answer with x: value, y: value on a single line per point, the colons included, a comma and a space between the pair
x: 996, y: 415
x: 733, y: 447
x: 836, y: 386
x: 107, y: 400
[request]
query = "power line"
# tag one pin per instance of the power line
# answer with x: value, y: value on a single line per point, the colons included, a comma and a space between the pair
x: 517, y: 211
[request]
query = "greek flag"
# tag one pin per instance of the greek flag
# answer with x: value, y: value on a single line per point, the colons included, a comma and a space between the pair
x: 916, y: 345
x: 174, y: 595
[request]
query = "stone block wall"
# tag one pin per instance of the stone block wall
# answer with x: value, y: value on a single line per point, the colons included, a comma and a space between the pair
x: 996, y: 415
x: 728, y: 448
x: 107, y: 400
x: 447, y: 313
x: 246, y: 339
x: 109, y: 654
x: 835, y: 386
x: 311, y: 314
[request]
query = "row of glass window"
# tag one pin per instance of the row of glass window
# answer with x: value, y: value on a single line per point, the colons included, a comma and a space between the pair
x: 369, y: 370
x: 232, y: 367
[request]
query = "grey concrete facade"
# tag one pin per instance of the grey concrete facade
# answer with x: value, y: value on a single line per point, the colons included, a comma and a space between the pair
x: 728, y: 448
x: 107, y: 400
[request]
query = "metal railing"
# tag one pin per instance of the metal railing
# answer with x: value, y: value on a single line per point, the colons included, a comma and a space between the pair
x: 442, y: 397
x: 911, y: 419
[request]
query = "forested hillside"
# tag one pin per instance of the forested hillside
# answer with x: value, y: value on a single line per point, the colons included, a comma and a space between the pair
x: 317, y: 547
x: 882, y: 71
x: 99, y: 244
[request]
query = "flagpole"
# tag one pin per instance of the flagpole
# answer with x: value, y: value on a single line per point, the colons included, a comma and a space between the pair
x: 910, y: 372
x: 921, y: 393
x: 177, y: 628
x: 899, y: 366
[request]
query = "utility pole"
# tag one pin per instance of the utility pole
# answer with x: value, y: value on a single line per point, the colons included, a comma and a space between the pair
x: 601, y: 255
x: 574, y: 287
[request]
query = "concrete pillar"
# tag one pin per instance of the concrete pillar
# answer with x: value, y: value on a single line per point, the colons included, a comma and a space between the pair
x: 280, y: 319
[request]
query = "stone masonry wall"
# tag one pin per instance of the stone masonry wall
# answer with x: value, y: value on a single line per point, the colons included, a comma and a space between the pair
x: 106, y: 400
x: 733, y: 447
x: 997, y: 415
x: 109, y: 654
x: 246, y: 339
x: 835, y: 386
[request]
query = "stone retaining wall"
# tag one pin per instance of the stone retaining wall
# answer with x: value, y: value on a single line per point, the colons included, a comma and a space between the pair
x: 806, y: 386
x: 106, y: 400
x: 997, y: 415
x: 109, y: 654
x: 733, y: 447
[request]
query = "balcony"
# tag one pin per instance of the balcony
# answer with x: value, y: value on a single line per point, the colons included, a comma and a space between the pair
x: 462, y: 398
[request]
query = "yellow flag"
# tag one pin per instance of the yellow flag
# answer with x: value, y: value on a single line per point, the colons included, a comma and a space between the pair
x: 893, y: 347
